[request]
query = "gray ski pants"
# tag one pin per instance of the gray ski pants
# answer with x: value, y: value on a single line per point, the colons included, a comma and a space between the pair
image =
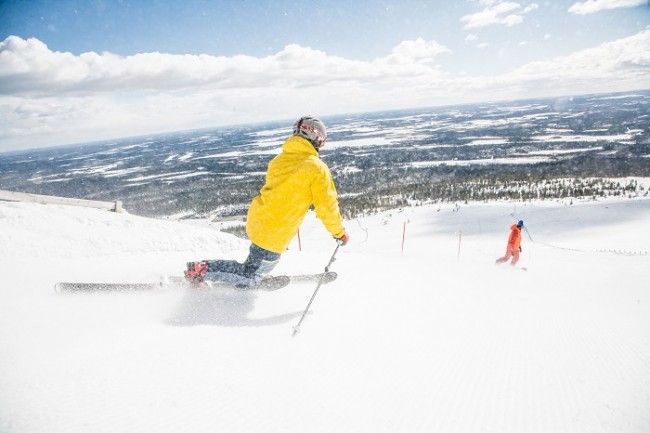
x: 249, y: 274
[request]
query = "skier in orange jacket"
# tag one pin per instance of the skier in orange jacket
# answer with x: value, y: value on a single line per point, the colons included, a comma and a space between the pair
x: 514, y: 245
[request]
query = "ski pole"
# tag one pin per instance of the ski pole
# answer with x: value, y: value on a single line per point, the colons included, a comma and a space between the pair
x: 296, y: 328
x: 528, y: 233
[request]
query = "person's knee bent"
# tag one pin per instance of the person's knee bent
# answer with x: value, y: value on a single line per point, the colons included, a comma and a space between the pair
x: 260, y: 263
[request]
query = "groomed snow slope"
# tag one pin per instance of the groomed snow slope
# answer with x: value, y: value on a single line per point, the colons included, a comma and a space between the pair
x: 418, y: 341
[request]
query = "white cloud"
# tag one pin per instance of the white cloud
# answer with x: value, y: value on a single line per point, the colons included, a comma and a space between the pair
x: 497, y: 12
x: 531, y: 7
x: 610, y: 66
x: 593, y: 6
x: 29, y: 67
x: 50, y: 97
x: 91, y: 96
x: 417, y: 51
x: 472, y: 38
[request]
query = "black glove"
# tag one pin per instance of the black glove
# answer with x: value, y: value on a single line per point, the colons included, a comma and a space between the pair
x: 520, y: 250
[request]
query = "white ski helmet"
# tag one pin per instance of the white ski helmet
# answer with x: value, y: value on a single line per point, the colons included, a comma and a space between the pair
x: 312, y: 129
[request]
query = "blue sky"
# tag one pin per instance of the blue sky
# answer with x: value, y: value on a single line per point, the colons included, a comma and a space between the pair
x: 419, y: 44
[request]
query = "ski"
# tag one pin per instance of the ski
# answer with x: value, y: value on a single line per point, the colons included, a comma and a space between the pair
x: 269, y: 284
x: 328, y: 277
x: 272, y: 283
x: 104, y: 287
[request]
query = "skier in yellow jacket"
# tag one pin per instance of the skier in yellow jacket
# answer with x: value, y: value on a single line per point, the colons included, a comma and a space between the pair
x: 296, y: 179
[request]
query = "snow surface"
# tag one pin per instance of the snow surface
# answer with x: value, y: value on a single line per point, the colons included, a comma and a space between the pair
x: 486, y: 161
x: 416, y: 341
x: 487, y: 141
x: 579, y: 138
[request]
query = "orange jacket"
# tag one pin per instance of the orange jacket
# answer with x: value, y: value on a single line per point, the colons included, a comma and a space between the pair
x: 514, y: 241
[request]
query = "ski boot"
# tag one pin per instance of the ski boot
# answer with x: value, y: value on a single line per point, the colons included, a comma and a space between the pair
x: 195, y: 272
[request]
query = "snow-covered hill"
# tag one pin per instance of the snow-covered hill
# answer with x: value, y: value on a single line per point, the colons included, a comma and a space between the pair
x: 428, y: 339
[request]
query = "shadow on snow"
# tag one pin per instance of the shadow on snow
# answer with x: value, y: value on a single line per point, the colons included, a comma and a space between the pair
x: 228, y: 308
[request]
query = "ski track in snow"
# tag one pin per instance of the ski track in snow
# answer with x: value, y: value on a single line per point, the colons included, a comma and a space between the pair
x: 420, y: 341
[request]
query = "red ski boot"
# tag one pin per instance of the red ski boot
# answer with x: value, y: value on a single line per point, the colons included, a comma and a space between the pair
x: 196, y: 271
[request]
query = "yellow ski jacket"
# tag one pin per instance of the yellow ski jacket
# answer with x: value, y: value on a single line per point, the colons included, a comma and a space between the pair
x: 295, y: 179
